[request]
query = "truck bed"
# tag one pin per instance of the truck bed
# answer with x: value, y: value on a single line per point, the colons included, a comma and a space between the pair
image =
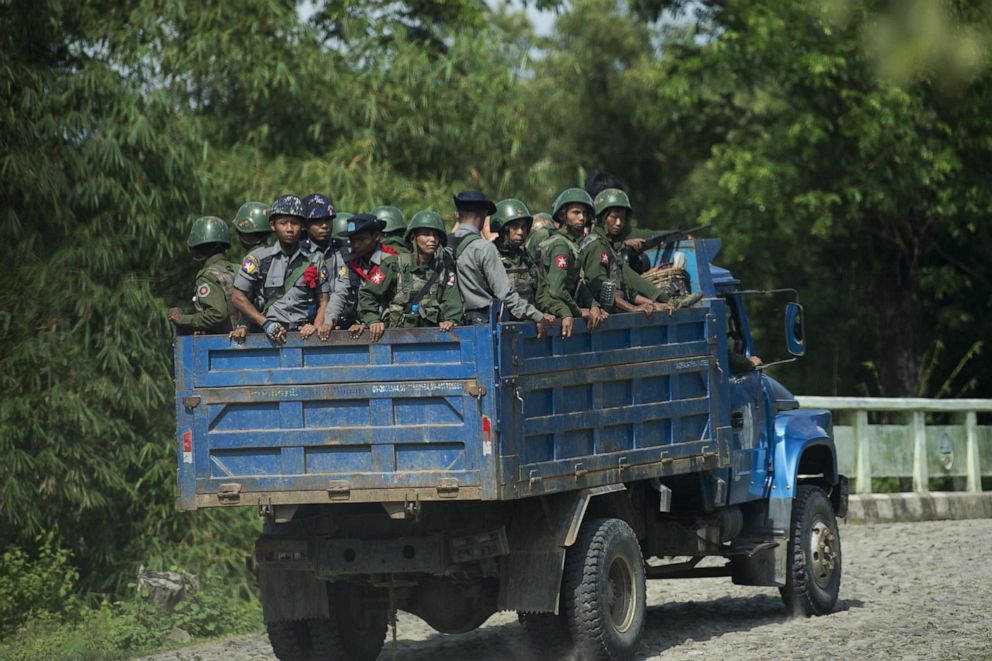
x: 479, y: 413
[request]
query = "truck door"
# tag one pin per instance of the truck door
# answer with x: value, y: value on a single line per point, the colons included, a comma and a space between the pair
x: 748, y: 414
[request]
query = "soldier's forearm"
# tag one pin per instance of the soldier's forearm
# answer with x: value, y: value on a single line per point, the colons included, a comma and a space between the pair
x: 245, y: 307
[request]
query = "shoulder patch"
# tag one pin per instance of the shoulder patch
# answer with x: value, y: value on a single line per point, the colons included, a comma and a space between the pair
x: 604, y: 259
x: 451, y: 278
x: 203, y: 290
x: 561, y: 262
x: 343, y: 271
x: 377, y: 278
x: 249, y: 265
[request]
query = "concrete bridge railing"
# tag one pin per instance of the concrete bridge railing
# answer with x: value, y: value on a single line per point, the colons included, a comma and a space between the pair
x: 935, y: 446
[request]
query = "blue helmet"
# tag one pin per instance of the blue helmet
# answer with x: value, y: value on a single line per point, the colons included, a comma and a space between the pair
x: 318, y: 207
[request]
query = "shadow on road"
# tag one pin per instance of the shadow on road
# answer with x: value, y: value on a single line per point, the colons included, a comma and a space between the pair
x: 666, y: 627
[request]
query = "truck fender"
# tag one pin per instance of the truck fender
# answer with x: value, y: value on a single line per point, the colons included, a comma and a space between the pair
x: 797, y: 433
x: 539, y: 532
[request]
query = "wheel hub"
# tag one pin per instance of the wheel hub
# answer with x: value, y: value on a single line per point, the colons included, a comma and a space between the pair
x: 620, y: 590
x: 823, y: 549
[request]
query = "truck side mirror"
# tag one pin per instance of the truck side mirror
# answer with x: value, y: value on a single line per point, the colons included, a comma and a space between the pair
x: 795, y: 329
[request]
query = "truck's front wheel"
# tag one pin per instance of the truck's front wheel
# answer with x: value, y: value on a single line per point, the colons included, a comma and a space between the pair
x: 603, y: 592
x: 814, y: 561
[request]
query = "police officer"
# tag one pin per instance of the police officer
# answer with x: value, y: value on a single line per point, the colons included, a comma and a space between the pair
x: 367, y: 255
x: 212, y: 310
x: 511, y: 223
x: 603, y: 258
x: 481, y: 275
x: 282, y: 287
x: 418, y: 288
x: 394, y: 232
x: 563, y: 292
x: 252, y: 225
x: 324, y: 235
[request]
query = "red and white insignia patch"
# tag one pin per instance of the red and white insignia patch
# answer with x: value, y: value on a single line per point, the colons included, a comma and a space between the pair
x: 561, y: 262
x: 204, y: 290
x: 604, y: 259
x: 451, y: 279
x: 377, y: 278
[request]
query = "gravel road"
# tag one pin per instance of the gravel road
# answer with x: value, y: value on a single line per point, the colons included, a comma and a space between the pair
x: 909, y: 591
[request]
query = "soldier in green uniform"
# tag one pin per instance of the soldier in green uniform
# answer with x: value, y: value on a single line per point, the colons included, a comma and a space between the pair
x: 212, y: 310
x: 563, y: 292
x: 419, y: 288
x: 604, y: 260
x: 252, y: 225
x: 512, y: 222
x: 394, y: 233
x: 541, y: 229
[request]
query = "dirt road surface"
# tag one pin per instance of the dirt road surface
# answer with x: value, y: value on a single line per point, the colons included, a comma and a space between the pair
x: 909, y: 591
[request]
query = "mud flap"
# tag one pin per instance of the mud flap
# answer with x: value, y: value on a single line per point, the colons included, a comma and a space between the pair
x: 291, y: 595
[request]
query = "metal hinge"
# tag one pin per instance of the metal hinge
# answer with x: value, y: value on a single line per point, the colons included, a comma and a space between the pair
x: 191, y: 402
x: 447, y: 488
x: 475, y: 390
x: 229, y: 493
x: 339, y: 490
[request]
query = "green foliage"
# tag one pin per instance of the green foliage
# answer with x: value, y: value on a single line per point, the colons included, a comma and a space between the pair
x: 31, y: 588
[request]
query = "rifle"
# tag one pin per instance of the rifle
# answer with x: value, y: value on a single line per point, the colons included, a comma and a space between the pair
x: 671, y: 236
x: 639, y: 263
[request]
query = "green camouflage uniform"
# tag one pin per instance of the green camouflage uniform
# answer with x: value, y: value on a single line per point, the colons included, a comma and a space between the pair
x: 386, y: 295
x: 604, y: 258
x: 563, y: 292
x: 521, y: 270
x: 212, y: 310
x: 397, y: 243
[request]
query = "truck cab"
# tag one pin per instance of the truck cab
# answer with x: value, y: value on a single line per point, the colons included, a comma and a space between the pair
x: 452, y: 475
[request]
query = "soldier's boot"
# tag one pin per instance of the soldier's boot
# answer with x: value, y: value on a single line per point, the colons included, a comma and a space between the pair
x: 685, y: 301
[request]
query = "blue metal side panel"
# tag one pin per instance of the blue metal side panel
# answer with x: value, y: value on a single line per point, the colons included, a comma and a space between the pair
x: 182, y: 351
x: 404, y: 413
x: 634, y: 396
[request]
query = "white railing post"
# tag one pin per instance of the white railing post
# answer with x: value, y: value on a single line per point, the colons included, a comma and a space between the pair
x: 862, y: 451
x: 921, y: 476
x: 973, y: 470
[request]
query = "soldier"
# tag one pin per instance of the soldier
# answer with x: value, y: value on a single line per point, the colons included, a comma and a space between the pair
x: 282, y: 287
x: 252, y: 225
x: 367, y: 255
x: 512, y: 222
x: 541, y: 229
x: 419, y: 288
x: 563, y: 292
x: 481, y: 275
x: 212, y: 310
x: 603, y: 258
x: 394, y: 233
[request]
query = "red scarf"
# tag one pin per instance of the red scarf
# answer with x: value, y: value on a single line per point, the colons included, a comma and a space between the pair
x: 353, y: 264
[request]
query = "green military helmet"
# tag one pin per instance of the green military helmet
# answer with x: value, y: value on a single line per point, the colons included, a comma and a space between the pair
x: 568, y: 196
x: 208, y: 229
x: 252, y: 217
x: 395, y: 222
x: 340, y: 224
x: 507, y: 211
x: 428, y: 219
x: 612, y: 197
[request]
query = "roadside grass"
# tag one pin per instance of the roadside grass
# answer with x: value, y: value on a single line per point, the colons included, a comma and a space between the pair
x: 43, y: 616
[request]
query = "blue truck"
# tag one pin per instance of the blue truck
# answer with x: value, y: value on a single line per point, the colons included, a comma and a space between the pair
x: 454, y: 475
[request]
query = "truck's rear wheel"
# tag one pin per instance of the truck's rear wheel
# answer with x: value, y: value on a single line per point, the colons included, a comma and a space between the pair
x: 355, y: 631
x: 603, y: 593
x: 814, y: 559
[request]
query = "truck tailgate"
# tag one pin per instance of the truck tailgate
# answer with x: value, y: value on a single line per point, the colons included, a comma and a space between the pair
x: 342, y: 421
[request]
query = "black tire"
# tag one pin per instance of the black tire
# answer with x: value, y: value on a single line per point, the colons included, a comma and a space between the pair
x: 548, y: 634
x: 603, y: 593
x: 355, y: 631
x: 814, y: 558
